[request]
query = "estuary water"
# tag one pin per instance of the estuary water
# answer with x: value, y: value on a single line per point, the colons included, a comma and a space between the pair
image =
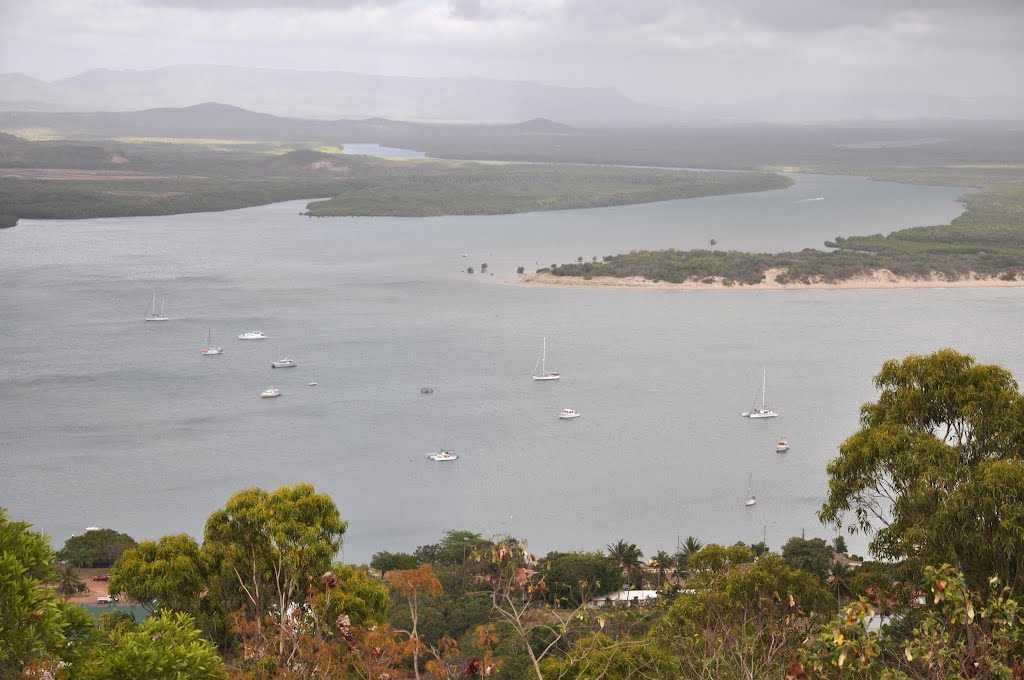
x: 106, y: 420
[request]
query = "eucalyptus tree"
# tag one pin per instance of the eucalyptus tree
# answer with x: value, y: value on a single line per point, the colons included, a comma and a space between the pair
x: 266, y: 548
x: 936, y: 470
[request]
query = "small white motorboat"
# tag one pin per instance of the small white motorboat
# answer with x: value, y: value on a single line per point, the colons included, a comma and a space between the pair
x: 252, y: 335
x: 441, y: 456
x: 313, y: 384
x: 283, y: 363
x: 270, y: 393
x: 782, y: 446
x: 568, y: 414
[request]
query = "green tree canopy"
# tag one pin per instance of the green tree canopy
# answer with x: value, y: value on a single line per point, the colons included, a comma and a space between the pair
x: 96, y: 548
x: 715, y: 558
x: 164, y: 647
x: 575, y: 578
x: 812, y: 555
x: 385, y: 561
x: 167, y: 574
x: 746, y: 620
x: 264, y: 549
x: 455, y: 547
x: 34, y: 626
x: 936, y: 470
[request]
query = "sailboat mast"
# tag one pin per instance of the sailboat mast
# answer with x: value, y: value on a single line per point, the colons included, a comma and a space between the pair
x: 544, y: 357
x: 762, y: 385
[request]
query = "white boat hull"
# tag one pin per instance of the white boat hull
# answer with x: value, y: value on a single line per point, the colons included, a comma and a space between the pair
x: 156, y: 318
x: 547, y: 377
x: 211, y: 351
x: 442, y: 457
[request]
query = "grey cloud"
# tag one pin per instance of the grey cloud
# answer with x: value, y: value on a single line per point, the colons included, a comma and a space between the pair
x: 799, y: 16
x: 295, y: 5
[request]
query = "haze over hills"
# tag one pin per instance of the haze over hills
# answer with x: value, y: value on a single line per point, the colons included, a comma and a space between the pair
x: 327, y: 95
x: 330, y: 95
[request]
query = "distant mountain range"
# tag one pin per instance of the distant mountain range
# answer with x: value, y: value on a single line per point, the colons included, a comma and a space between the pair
x: 328, y: 95
x: 213, y: 120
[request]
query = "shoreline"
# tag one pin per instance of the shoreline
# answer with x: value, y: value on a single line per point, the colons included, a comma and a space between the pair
x: 880, y: 279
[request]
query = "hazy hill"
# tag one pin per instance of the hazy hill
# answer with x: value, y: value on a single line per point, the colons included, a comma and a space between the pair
x: 221, y: 121
x: 327, y: 94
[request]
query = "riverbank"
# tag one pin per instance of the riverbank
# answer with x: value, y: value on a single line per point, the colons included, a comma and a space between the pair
x: 879, y: 279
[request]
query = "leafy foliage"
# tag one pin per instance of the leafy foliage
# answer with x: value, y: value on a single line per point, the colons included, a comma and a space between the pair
x: 32, y: 626
x: 936, y: 471
x: 96, y: 548
x: 169, y: 574
x: 573, y: 579
x: 743, y: 620
x: 385, y: 561
x: 163, y: 647
x: 812, y: 555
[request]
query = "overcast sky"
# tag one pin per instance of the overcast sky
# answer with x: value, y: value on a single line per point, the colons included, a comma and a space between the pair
x: 659, y: 51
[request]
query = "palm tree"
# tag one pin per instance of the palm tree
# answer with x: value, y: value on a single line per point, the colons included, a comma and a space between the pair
x: 838, y: 578
x: 628, y: 557
x: 688, y: 548
x: 662, y: 560
x: 68, y: 580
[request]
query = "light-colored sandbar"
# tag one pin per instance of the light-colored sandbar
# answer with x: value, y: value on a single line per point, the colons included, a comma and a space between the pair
x: 881, y: 278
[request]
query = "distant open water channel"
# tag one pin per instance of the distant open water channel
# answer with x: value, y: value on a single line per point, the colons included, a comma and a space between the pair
x: 110, y: 421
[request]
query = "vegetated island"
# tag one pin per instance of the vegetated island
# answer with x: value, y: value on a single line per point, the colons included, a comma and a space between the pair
x: 982, y: 247
x: 71, y: 180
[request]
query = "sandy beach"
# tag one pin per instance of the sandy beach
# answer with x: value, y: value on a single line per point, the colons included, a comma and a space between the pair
x: 881, y: 278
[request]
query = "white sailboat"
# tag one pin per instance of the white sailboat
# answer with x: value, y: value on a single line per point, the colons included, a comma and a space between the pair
x: 763, y: 411
x: 542, y: 364
x: 210, y: 350
x: 152, y: 314
x: 751, y: 498
x: 782, y: 446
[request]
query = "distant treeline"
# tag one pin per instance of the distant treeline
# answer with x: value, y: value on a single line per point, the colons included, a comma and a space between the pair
x: 7, y: 221
x: 987, y: 240
x: 158, y: 179
x: 460, y: 188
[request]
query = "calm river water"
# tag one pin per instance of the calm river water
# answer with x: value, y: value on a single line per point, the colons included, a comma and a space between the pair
x: 110, y: 421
